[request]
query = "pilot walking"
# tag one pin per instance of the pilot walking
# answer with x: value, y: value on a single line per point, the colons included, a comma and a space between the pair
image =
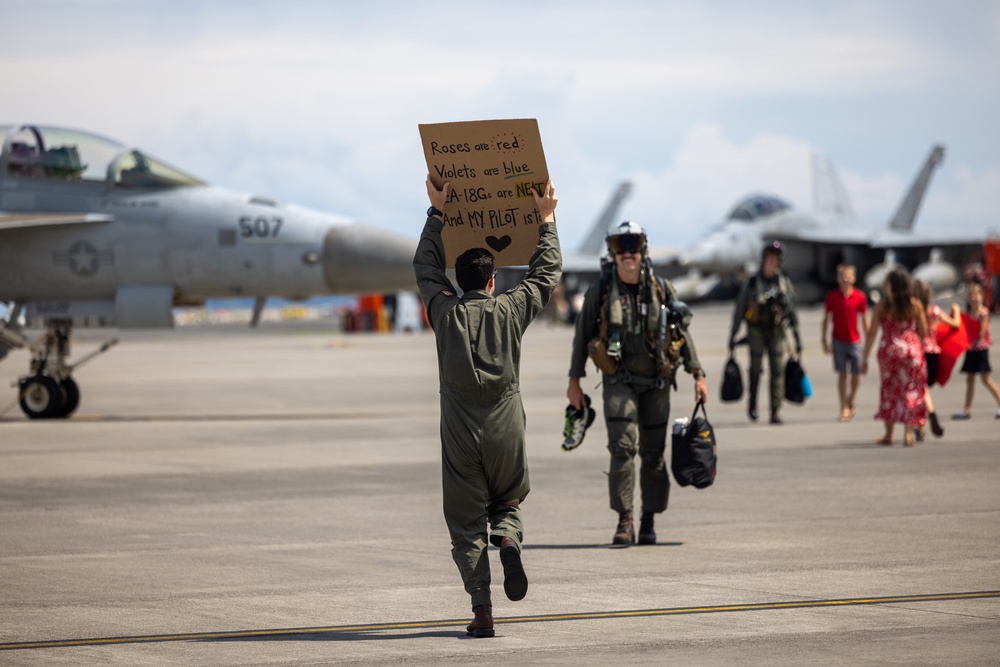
x: 636, y: 333
x: 766, y: 303
x: 484, y: 463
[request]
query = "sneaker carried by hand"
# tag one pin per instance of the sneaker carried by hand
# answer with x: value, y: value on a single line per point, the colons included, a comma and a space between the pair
x: 576, y: 424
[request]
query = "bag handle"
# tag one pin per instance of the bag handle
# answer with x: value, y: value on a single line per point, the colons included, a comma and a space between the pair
x: 699, y: 404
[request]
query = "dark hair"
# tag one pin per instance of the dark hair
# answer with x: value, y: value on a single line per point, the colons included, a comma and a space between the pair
x: 774, y: 248
x: 900, y: 294
x: 474, y: 268
x: 922, y: 291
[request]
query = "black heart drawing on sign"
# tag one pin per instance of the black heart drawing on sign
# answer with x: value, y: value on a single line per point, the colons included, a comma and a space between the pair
x: 498, y: 244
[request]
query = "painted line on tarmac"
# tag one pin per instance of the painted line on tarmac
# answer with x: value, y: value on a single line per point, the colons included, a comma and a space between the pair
x: 374, y: 627
x: 284, y: 416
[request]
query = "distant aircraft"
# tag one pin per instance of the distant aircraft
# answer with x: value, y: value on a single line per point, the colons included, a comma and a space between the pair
x: 94, y: 231
x: 815, y: 243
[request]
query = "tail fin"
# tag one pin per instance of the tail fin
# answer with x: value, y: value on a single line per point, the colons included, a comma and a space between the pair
x: 594, y: 243
x: 829, y: 195
x: 906, y: 214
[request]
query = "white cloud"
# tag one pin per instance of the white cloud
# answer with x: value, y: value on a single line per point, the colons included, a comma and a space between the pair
x: 967, y: 200
x: 318, y: 102
x: 959, y: 198
x: 709, y: 173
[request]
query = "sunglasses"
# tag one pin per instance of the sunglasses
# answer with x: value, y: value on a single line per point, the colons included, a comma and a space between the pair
x: 624, y: 243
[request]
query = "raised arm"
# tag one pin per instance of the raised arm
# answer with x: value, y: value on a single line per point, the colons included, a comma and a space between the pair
x: 545, y: 265
x: 954, y: 317
x: 429, y: 261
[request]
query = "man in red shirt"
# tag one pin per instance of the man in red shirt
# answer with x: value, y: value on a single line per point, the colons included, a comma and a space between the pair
x: 843, y: 307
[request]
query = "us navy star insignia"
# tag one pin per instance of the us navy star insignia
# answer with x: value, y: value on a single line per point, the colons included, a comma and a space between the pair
x: 83, y: 259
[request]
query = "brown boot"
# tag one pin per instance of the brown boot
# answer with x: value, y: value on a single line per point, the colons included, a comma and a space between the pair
x: 482, y: 624
x: 625, y: 533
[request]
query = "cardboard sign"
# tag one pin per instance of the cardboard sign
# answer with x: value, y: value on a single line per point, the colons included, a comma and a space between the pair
x: 493, y: 166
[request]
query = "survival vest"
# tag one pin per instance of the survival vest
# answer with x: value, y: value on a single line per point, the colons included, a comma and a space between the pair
x: 768, y: 307
x: 665, y: 326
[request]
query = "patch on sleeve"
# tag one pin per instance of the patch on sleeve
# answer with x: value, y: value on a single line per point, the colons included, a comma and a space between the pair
x: 447, y: 292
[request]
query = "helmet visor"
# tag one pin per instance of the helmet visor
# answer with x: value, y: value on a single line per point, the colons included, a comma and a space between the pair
x: 623, y: 243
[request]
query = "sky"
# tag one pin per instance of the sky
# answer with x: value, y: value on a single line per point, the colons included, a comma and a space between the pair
x: 697, y: 103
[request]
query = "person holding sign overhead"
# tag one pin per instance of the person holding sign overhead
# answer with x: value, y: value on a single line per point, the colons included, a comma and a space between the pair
x: 478, y: 334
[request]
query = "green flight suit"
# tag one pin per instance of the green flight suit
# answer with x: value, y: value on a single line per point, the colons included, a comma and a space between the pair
x: 767, y: 306
x: 636, y: 405
x: 484, y: 462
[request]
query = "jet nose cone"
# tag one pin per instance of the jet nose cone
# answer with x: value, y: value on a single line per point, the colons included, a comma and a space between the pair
x: 361, y: 260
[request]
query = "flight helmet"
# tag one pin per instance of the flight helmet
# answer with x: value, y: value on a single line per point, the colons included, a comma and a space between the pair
x: 626, y: 236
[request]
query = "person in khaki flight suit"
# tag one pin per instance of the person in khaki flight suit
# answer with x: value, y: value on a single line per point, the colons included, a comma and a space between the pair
x: 636, y: 332
x: 484, y: 462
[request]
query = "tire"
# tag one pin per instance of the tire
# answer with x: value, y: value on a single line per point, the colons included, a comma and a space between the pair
x: 41, y: 397
x: 72, y: 392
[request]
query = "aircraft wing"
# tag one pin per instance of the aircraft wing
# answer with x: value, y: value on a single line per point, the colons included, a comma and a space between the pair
x: 881, y: 239
x: 923, y: 240
x: 840, y: 236
x: 26, y: 220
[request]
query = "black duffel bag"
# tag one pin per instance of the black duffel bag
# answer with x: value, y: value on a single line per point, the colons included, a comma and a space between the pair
x: 794, y: 376
x: 731, y: 388
x: 693, y: 458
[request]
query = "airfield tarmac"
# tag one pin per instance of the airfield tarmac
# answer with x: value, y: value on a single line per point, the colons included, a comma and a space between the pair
x: 229, y: 496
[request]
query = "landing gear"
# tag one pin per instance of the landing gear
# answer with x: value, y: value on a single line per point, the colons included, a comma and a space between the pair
x: 49, y: 391
x: 72, y: 392
x: 42, y: 397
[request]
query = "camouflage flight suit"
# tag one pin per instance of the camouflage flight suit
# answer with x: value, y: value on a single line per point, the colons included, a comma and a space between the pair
x: 484, y: 463
x: 636, y: 405
x: 767, y: 306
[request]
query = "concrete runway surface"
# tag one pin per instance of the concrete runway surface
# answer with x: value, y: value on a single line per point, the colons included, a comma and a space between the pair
x: 228, y: 496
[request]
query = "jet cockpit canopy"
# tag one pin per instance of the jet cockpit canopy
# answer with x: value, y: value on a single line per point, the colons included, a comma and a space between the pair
x: 757, y: 206
x: 58, y: 154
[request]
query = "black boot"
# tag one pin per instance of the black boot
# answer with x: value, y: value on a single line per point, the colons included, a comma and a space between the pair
x: 935, y: 425
x: 515, y: 581
x: 646, y: 533
x: 752, y: 398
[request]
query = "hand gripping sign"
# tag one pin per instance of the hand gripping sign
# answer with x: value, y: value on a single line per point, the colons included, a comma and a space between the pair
x: 493, y: 166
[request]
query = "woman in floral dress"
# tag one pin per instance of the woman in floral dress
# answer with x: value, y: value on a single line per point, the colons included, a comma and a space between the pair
x: 902, y: 369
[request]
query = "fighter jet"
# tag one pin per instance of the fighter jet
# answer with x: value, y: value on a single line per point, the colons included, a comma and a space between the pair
x: 93, y: 231
x: 815, y: 243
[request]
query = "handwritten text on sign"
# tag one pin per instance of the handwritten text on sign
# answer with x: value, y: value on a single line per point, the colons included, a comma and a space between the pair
x: 493, y: 167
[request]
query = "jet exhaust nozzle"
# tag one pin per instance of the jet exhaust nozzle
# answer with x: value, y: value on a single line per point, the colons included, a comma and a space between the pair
x: 362, y: 260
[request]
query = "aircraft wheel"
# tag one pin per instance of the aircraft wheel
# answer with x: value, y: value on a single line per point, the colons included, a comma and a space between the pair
x: 72, y: 392
x: 41, y: 397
